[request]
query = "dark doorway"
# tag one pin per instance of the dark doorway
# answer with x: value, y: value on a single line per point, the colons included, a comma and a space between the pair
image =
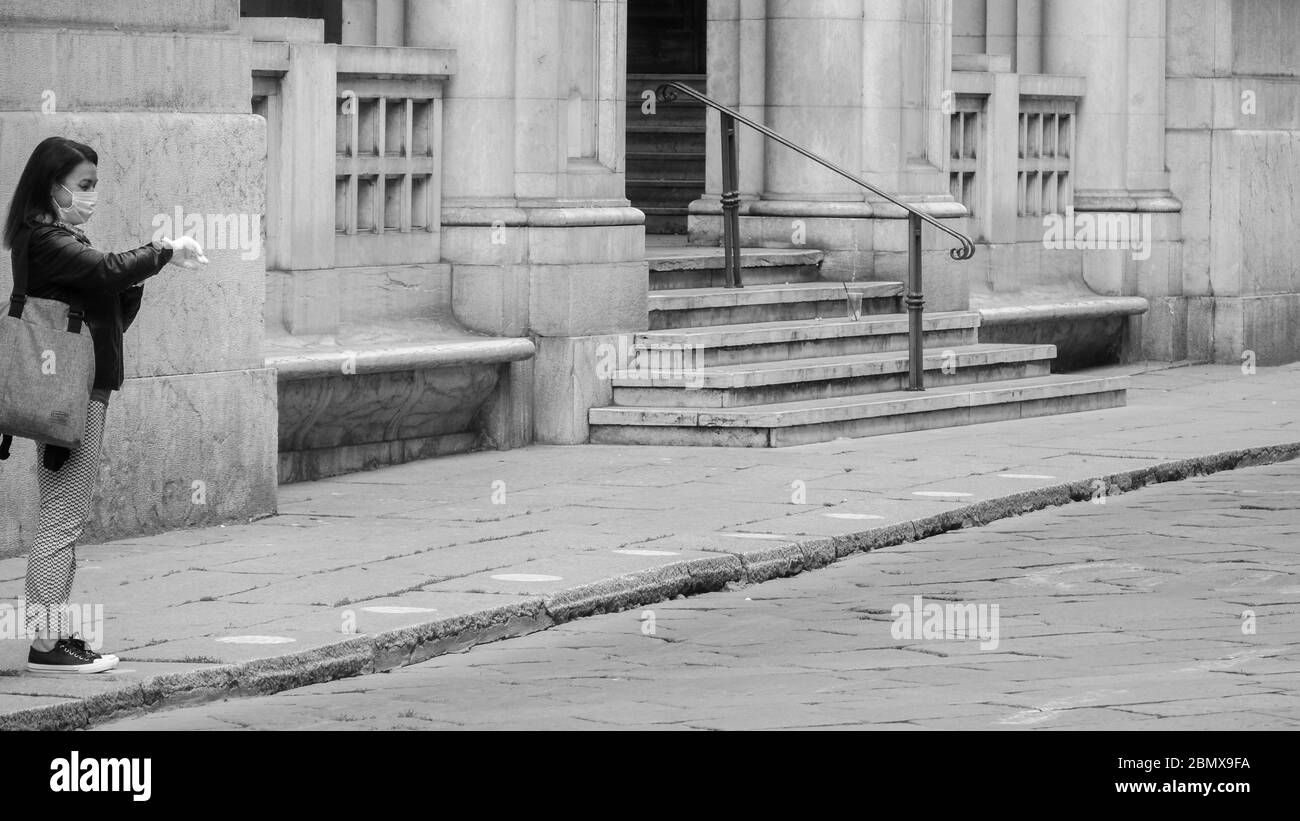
x: 666, y: 41
x: 331, y: 11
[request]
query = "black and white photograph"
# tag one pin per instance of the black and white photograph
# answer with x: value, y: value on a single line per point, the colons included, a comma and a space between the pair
x: 567, y: 366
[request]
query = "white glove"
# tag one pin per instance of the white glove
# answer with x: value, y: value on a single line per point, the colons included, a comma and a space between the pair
x: 186, y: 253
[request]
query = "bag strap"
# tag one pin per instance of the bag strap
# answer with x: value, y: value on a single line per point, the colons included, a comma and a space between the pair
x: 18, y: 299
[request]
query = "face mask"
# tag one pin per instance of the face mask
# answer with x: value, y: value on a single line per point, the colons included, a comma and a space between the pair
x: 83, y: 205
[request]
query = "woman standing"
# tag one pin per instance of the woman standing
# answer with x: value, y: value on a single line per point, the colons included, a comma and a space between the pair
x: 55, y: 195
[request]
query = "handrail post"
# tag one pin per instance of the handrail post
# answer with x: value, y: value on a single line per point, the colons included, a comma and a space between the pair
x: 730, y: 201
x: 915, y: 304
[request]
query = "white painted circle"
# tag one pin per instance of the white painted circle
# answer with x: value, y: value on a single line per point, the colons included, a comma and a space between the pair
x: 526, y: 577
x: 255, y: 640
x: 387, y: 608
x: 631, y: 551
x: 1024, y: 476
x: 772, y: 536
x: 941, y: 494
x: 853, y: 516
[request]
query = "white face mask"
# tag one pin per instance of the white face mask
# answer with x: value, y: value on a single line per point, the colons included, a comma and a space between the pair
x: 83, y: 205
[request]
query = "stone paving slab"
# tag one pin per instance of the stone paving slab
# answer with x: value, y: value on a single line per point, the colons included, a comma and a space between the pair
x: 428, y: 532
x: 818, y: 651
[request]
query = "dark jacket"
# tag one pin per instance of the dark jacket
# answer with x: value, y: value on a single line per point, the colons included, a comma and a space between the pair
x: 63, y: 266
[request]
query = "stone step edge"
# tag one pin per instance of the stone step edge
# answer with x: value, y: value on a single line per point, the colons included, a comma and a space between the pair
x: 858, y: 406
x: 804, y: 330
x: 731, y: 377
x: 694, y: 299
x: 402, y: 647
x: 709, y: 258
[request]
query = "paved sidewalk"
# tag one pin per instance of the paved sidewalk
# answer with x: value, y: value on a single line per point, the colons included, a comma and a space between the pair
x: 376, y: 570
x: 1174, y: 608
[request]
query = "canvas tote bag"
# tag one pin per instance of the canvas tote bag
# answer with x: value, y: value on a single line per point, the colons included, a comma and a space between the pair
x: 47, y: 368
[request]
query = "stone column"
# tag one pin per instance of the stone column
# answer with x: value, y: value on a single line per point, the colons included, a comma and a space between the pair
x: 1001, y: 27
x: 542, y: 240
x: 814, y: 94
x: 737, y: 60
x: 1090, y: 40
x: 1029, y: 37
x: 1118, y: 47
x: 862, y: 84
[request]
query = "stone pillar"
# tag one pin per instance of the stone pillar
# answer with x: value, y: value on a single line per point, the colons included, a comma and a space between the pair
x: 390, y: 23
x: 862, y: 84
x: 358, y: 25
x: 541, y: 238
x: 1029, y: 37
x: 1147, y: 177
x: 304, y: 248
x: 737, y: 60
x: 814, y: 93
x: 1118, y: 47
x: 1090, y: 40
x: 1001, y: 27
x: 162, y: 92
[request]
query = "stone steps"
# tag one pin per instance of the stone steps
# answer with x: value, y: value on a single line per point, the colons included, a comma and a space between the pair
x: 797, y: 423
x: 663, y: 166
x: 674, y: 378
x: 703, y: 267
x: 781, y: 362
x: 665, y: 153
x: 801, y: 339
x: 698, y: 307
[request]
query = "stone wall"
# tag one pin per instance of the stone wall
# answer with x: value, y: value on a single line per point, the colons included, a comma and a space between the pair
x: 1234, y: 156
x: 161, y: 91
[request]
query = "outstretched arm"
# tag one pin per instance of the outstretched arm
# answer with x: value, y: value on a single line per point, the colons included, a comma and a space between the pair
x: 71, y: 264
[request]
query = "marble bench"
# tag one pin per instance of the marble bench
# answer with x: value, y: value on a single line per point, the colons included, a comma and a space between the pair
x: 371, y: 397
x: 1088, y: 330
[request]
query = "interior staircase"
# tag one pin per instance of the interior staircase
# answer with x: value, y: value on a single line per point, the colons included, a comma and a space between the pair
x: 665, y: 153
x: 791, y: 359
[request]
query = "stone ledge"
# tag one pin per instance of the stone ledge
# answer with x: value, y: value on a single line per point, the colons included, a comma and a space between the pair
x: 1068, y: 309
x: 696, y: 258
x: 311, y: 364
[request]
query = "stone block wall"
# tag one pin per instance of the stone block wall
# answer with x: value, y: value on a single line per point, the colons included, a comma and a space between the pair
x: 161, y: 91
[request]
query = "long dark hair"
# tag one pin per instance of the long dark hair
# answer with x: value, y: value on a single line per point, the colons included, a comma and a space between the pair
x: 51, y: 161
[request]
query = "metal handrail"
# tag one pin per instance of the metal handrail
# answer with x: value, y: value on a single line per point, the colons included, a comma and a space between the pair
x: 914, y: 299
x: 665, y: 94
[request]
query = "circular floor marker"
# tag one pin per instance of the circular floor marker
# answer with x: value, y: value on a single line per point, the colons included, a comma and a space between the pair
x: 941, y: 494
x: 632, y: 551
x: 396, y: 609
x: 255, y: 639
x: 1024, y: 476
x: 526, y: 577
x: 853, y: 516
x: 772, y: 536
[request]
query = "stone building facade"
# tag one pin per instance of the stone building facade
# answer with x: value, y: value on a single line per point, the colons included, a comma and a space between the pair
x: 428, y: 219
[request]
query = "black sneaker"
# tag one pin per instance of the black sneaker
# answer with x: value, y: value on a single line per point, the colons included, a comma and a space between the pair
x: 69, y: 656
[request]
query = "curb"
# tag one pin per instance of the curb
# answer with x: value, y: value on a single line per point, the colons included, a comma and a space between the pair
x: 392, y: 649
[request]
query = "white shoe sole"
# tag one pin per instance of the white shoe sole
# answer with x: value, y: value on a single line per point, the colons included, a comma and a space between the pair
x: 101, y: 665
